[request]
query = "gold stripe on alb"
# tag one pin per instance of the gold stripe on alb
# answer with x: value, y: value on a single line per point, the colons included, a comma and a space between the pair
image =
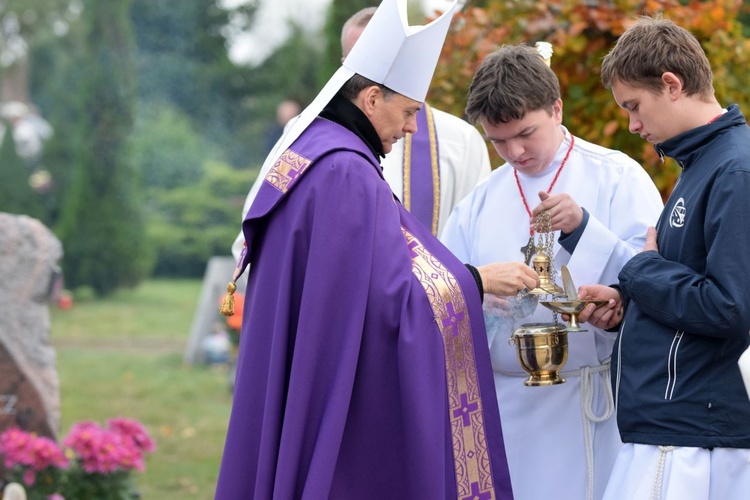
x: 406, y: 195
x: 435, y: 168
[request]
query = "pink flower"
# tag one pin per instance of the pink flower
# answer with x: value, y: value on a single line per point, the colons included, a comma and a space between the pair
x: 44, y: 453
x: 96, y: 452
x: 29, y: 477
x: 108, y: 456
x: 37, y: 452
x: 134, y: 431
x: 14, y: 444
x: 83, y: 439
x: 130, y: 456
x: 119, y: 447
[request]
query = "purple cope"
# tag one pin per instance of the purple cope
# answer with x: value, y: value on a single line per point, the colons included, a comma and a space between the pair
x: 364, y: 370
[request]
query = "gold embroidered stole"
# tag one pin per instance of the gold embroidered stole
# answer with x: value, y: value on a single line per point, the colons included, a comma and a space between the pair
x: 470, y: 454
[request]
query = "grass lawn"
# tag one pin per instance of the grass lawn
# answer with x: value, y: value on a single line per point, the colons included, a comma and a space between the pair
x: 123, y: 356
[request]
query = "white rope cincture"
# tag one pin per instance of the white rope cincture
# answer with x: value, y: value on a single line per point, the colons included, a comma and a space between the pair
x: 657, y: 487
x: 590, y: 418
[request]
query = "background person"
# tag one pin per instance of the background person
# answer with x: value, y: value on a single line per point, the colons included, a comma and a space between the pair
x: 285, y: 111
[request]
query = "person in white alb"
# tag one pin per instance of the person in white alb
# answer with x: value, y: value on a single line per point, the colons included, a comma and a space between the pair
x: 446, y: 157
x: 561, y: 440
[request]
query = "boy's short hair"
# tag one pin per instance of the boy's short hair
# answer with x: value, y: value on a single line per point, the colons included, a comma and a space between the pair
x: 509, y: 83
x: 652, y: 47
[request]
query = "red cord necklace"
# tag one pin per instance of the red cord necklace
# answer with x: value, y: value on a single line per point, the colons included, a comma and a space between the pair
x: 557, y: 174
x: 716, y: 117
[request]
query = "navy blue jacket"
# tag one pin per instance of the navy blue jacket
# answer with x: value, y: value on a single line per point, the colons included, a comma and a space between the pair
x: 675, y: 372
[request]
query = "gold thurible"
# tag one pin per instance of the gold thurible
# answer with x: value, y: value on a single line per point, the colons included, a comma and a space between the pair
x: 542, y: 264
x: 542, y: 259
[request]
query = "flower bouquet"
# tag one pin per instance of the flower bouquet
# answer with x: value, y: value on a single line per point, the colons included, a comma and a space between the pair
x: 94, y: 463
x: 36, y: 462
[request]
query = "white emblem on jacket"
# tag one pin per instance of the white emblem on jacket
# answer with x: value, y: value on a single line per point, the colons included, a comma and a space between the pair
x: 677, y: 219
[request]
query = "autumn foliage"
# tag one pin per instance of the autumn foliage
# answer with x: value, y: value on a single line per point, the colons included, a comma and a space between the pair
x: 581, y: 34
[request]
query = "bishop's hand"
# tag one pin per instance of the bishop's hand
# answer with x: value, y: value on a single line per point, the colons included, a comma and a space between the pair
x: 507, y: 278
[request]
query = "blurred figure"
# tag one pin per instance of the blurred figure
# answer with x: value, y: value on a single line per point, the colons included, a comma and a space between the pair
x: 217, y: 345
x: 285, y: 111
x: 29, y: 130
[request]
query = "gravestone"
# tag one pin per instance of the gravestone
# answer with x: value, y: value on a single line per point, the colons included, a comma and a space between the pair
x: 29, y: 387
x: 218, y: 273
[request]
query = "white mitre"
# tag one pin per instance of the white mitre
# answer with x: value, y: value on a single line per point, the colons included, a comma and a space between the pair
x: 388, y: 52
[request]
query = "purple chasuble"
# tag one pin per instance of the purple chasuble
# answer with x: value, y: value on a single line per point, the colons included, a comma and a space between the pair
x: 364, y: 370
x: 421, y: 164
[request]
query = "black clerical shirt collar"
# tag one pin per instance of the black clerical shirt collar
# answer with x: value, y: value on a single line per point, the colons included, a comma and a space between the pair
x: 344, y: 112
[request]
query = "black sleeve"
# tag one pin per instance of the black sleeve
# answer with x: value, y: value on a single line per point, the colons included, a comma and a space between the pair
x: 478, y: 279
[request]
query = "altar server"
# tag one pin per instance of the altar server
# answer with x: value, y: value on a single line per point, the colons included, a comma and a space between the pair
x: 561, y: 440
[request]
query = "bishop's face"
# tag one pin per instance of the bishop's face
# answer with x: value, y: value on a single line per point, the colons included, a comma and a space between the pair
x: 529, y: 145
x: 393, y: 117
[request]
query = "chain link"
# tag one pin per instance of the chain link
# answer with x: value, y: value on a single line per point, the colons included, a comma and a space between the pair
x: 546, y: 245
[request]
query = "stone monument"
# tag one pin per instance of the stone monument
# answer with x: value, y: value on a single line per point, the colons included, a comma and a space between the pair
x: 29, y: 387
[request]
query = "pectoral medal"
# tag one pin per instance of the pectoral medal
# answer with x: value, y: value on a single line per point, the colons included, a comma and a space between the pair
x: 528, y: 249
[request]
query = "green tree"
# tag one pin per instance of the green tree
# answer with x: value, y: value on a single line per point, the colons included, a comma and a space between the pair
x: 54, y: 90
x: 744, y: 18
x: 24, y: 26
x: 182, y: 65
x: 167, y: 150
x: 192, y: 223
x: 16, y: 195
x: 22, y: 20
x: 182, y: 60
x: 101, y: 226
